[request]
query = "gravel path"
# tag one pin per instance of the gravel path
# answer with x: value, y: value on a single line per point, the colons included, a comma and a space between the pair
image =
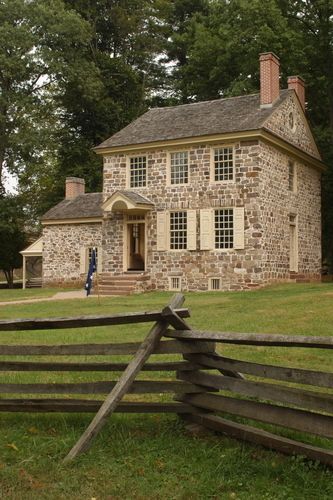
x: 73, y: 294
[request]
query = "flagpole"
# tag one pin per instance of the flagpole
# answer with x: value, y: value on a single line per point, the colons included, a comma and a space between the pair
x: 99, y: 300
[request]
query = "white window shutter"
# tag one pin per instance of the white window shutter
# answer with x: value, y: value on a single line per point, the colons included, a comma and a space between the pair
x: 206, y: 229
x: 191, y: 230
x: 83, y: 260
x: 239, y: 228
x: 161, y: 231
x: 99, y: 260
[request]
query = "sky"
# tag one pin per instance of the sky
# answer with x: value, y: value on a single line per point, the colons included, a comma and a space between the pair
x: 10, y: 183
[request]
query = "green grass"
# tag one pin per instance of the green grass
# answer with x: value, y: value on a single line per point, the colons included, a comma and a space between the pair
x: 153, y: 457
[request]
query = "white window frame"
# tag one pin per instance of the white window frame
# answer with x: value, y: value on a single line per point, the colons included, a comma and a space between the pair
x: 211, y: 288
x: 128, y: 171
x: 85, y: 259
x: 169, y: 167
x: 172, y: 281
x: 173, y: 232
x: 212, y: 164
x: 223, y: 229
x: 292, y: 179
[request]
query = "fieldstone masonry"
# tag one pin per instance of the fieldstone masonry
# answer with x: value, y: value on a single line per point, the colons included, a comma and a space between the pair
x: 62, y: 244
x: 261, y: 186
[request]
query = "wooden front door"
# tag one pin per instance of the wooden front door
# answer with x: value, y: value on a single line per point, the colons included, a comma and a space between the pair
x: 135, y: 246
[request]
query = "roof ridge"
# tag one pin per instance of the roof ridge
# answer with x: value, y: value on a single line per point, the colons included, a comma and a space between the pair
x: 204, y: 102
x: 211, y: 100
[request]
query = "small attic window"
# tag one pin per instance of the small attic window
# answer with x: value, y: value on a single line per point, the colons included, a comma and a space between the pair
x: 291, y: 121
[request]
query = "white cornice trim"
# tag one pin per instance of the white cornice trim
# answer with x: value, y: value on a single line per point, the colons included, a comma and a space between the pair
x: 83, y: 220
x: 259, y: 134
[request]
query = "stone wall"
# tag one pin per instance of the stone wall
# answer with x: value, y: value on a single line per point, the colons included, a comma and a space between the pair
x: 277, y: 204
x: 238, y: 268
x: 299, y: 134
x: 261, y: 186
x: 62, y: 244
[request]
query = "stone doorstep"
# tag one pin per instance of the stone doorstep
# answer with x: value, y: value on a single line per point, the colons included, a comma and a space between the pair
x: 123, y: 284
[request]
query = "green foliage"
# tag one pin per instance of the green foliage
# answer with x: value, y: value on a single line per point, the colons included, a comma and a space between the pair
x: 12, y: 235
x: 73, y: 72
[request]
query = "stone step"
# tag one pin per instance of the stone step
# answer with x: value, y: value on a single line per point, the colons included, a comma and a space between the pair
x: 111, y: 288
x: 111, y: 293
x: 123, y: 277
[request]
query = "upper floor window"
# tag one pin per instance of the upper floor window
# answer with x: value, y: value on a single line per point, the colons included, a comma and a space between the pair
x: 292, y: 176
x: 138, y: 171
x: 223, y: 164
x: 179, y: 168
x: 224, y: 228
x: 178, y: 230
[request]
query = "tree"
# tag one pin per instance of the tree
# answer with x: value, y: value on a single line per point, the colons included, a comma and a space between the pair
x: 40, y: 49
x: 12, y: 236
x: 127, y: 36
x: 312, y: 21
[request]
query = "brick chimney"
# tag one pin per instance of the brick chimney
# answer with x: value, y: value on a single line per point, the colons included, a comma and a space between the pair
x: 297, y: 83
x: 269, y: 79
x: 74, y: 187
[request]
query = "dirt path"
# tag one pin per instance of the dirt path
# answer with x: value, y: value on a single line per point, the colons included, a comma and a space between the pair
x: 74, y: 294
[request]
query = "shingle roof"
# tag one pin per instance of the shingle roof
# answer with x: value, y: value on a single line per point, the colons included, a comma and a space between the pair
x: 136, y: 197
x: 84, y: 205
x: 220, y: 116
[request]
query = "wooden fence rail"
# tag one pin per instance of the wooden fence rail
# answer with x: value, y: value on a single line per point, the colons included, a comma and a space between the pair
x: 206, y: 388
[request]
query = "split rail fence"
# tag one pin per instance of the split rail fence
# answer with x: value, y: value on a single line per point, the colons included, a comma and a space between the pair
x: 207, y: 388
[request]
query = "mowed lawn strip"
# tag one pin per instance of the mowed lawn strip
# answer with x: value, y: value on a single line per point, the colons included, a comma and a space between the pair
x: 140, y: 456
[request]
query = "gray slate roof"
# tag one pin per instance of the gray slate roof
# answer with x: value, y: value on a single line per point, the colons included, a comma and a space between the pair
x: 136, y: 197
x: 220, y: 116
x: 84, y: 205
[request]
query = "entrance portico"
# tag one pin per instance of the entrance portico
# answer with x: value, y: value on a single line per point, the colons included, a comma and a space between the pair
x: 134, y: 207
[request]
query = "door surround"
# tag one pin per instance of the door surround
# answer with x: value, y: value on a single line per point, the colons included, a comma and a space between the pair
x: 129, y: 221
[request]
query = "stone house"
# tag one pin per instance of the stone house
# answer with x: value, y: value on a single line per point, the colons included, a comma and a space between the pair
x: 216, y: 195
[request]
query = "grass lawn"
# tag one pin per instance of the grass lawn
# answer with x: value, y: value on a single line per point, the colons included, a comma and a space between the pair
x: 154, y: 457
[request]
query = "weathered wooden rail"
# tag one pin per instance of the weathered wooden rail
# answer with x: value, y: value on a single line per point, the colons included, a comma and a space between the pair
x: 206, y: 388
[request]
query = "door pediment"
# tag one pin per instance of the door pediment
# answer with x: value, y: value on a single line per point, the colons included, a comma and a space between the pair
x: 127, y: 201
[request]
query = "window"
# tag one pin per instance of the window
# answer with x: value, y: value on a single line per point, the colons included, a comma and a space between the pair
x: 223, y: 164
x: 90, y: 249
x: 85, y: 258
x: 179, y: 168
x: 214, y: 284
x: 178, y: 230
x: 292, y: 176
x: 175, y: 283
x: 138, y: 171
x: 224, y: 228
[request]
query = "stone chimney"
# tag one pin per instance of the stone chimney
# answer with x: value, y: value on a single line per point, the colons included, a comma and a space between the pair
x: 74, y: 187
x: 297, y: 83
x: 269, y: 79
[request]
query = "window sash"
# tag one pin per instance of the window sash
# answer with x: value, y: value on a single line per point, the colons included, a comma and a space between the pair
x: 224, y: 228
x: 138, y: 171
x: 179, y: 170
x: 178, y: 230
x: 291, y: 176
x: 224, y: 164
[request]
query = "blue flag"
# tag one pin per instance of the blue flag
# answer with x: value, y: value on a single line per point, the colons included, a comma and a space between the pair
x: 91, y: 271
